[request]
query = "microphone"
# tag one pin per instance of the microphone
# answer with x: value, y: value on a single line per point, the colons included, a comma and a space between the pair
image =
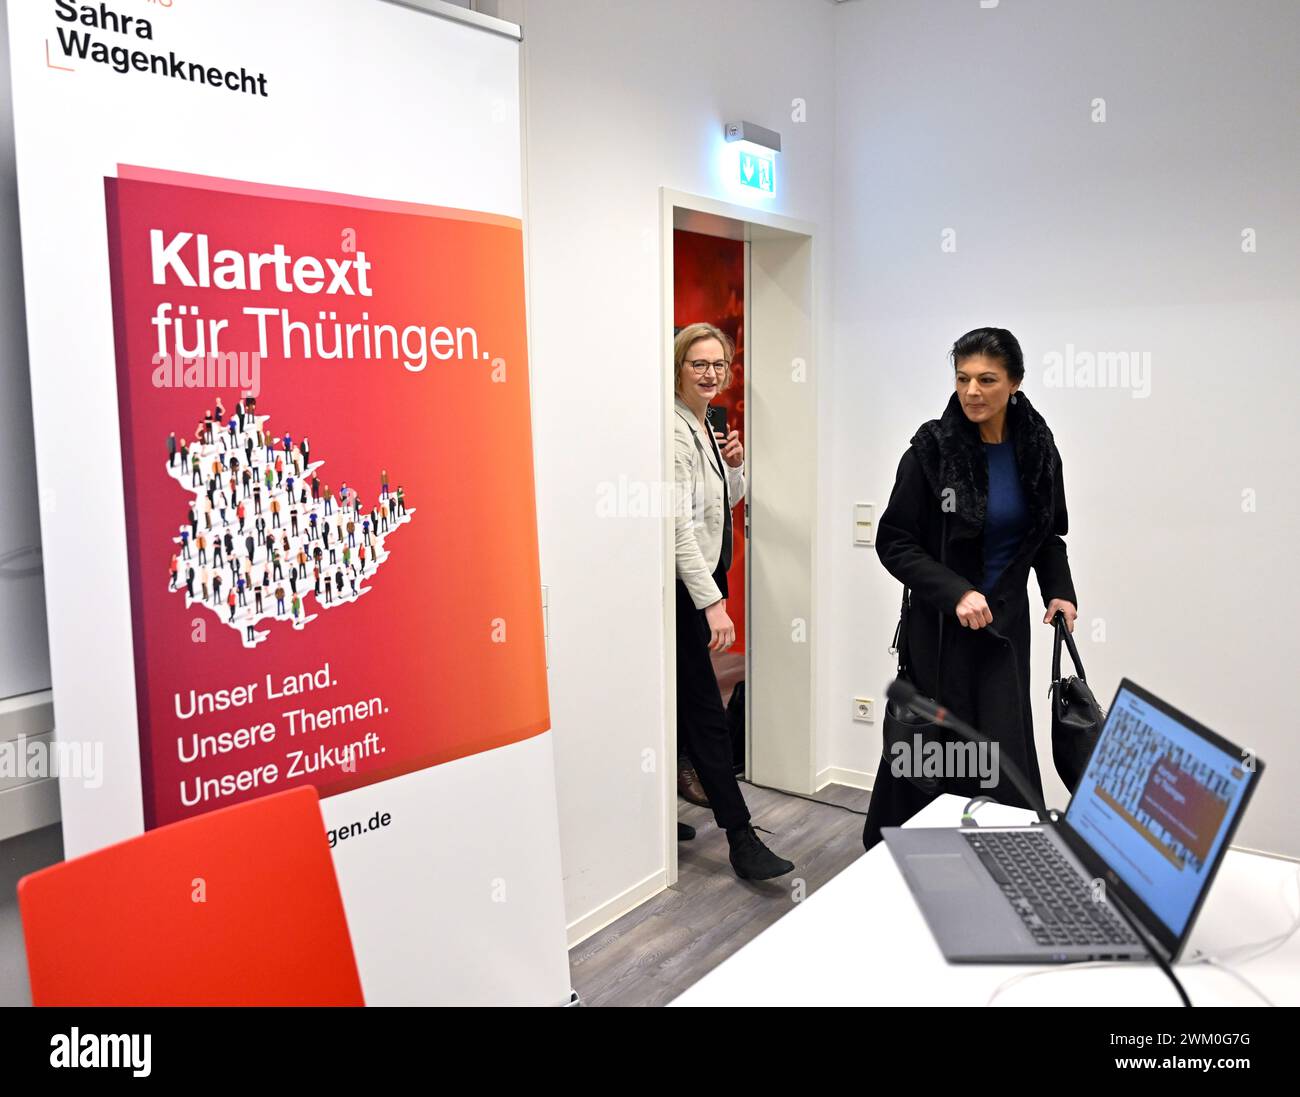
x: 907, y: 696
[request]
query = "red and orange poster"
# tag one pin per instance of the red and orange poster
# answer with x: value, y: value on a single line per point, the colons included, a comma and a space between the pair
x: 327, y: 460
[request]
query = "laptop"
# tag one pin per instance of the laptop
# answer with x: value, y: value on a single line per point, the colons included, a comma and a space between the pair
x: 1147, y: 829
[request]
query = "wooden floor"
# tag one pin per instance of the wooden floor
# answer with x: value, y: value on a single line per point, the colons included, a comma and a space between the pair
x: 652, y: 954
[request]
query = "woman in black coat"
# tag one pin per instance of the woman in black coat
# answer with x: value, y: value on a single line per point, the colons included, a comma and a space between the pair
x: 978, y: 501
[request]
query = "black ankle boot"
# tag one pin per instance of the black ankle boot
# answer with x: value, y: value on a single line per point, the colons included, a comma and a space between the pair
x: 685, y: 832
x: 751, y: 859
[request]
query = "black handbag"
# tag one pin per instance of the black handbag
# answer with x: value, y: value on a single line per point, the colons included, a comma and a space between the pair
x: 1076, y: 716
x: 902, y: 725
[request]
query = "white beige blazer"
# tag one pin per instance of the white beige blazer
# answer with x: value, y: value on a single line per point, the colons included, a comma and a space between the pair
x: 699, y: 512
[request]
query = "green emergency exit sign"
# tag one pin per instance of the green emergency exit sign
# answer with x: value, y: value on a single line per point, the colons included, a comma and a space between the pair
x: 758, y: 171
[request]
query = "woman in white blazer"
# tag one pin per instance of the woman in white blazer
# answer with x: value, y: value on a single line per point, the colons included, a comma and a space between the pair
x: 709, y: 481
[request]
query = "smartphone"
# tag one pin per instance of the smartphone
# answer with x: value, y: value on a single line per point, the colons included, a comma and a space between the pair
x: 717, y: 417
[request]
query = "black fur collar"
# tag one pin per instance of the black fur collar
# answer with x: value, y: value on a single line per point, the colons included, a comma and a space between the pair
x: 949, y: 449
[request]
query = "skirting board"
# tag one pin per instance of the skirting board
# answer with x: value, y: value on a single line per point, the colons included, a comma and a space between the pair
x: 850, y: 778
x: 623, y: 903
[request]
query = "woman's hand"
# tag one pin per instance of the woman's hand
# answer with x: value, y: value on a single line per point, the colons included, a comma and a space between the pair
x: 1061, y: 605
x: 722, y: 632
x: 733, y: 450
x: 973, y: 611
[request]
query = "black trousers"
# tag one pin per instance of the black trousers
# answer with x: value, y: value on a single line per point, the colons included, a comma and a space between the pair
x: 701, y: 719
x: 985, y: 683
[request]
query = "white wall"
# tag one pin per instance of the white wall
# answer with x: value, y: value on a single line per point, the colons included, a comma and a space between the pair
x: 1124, y: 235
x: 621, y: 99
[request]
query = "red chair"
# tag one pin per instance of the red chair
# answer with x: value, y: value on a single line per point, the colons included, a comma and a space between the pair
x: 239, y: 906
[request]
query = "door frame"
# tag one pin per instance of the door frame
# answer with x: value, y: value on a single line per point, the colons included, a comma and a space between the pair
x: 756, y: 227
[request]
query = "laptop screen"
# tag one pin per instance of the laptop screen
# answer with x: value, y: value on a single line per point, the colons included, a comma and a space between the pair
x: 1156, y: 803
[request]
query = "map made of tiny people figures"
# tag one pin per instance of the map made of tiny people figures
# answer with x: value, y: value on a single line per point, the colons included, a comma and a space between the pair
x: 266, y: 539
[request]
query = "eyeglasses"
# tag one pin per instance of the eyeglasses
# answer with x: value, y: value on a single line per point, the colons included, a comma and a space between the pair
x: 700, y: 366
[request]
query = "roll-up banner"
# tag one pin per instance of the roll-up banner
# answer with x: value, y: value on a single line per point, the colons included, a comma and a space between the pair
x: 273, y: 263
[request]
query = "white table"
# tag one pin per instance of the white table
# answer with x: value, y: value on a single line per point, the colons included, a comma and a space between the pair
x: 861, y: 940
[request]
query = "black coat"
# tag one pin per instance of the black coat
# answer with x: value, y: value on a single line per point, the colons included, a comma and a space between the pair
x: 931, y: 538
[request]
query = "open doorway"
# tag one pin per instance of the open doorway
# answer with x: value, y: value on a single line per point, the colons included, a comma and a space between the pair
x: 751, y: 274
x: 709, y: 284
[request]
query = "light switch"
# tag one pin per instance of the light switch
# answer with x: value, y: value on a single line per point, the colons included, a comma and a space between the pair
x: 864, y: 523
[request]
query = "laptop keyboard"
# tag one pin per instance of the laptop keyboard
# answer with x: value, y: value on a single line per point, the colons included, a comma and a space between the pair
x: 1051, y: 897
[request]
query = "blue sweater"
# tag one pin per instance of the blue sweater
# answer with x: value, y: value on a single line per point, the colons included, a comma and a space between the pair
x: 1007, y: 518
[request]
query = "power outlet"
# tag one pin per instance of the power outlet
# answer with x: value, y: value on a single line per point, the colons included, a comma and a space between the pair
x: 864, y: 710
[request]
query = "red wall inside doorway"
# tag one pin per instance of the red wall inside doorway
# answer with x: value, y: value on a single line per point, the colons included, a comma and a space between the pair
x: 709, y: 285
